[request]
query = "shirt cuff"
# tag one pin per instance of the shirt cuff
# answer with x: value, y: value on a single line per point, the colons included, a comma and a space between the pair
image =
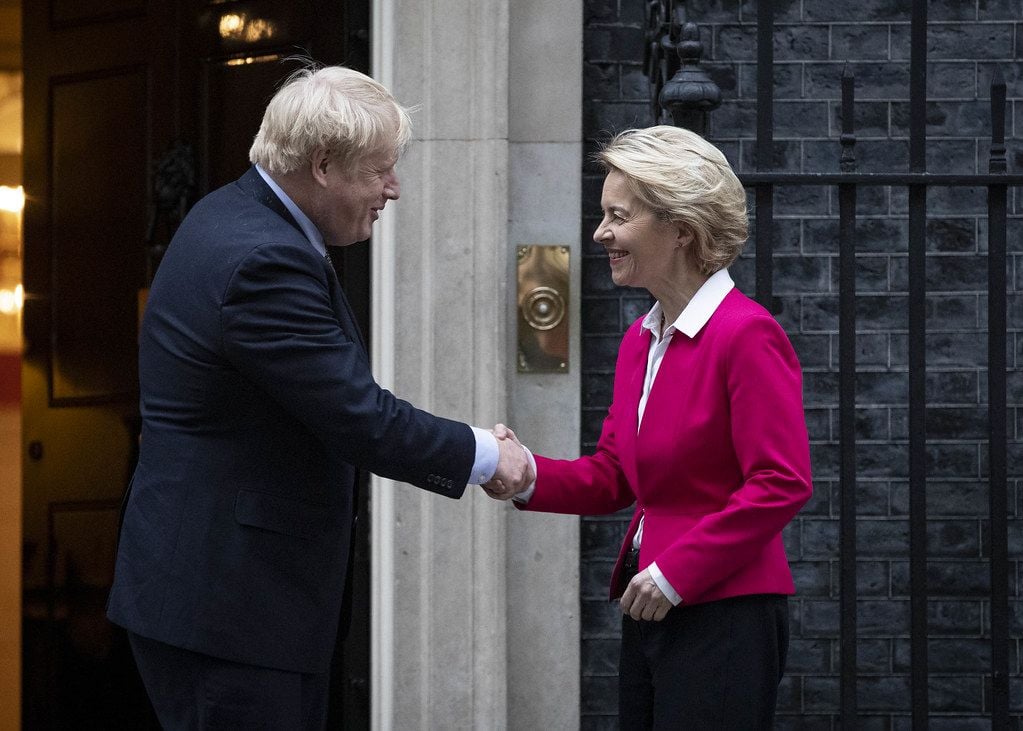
x: 487, y: 453
x: 523, y: 497
x: 663, y: 585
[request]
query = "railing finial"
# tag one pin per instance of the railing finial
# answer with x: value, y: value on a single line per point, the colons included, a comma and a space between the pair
x: 997, y: 162
x: 847, y: 162
x: 690, y: 93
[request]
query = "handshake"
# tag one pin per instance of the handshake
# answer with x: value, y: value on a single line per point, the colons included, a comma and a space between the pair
x: 515, y: 467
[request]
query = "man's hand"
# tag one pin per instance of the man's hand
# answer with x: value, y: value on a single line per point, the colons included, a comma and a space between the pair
x: 514, y: 472
x: 644, y: 600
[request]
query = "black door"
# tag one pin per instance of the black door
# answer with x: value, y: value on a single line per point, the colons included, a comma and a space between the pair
x: 133, y: 109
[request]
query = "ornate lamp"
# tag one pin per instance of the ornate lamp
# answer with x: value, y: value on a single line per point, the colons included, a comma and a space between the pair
x: 690, y: 93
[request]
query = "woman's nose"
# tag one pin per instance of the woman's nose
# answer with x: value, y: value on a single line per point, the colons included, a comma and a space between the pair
x: 601, y: 233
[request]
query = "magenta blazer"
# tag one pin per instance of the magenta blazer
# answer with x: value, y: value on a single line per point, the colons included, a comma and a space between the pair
x: 720, y: 465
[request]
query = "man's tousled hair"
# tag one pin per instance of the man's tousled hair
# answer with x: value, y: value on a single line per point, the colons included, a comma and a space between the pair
x: 331, y: 107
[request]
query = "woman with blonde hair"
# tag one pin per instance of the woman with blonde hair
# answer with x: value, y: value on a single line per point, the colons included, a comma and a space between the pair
x: 705, y: 435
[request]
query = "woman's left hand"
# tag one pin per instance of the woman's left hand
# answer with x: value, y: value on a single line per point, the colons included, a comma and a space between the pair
x: 644, y: 600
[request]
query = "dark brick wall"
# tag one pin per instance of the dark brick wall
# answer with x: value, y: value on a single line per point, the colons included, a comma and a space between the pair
x: 813, y: 41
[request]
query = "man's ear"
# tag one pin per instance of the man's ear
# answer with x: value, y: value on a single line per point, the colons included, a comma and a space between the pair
x: 319, y: 162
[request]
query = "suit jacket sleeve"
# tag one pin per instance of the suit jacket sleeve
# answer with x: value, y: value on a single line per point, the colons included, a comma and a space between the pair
x: 280, y: 330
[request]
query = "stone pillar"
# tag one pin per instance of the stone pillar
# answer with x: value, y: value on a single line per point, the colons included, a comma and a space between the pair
x: 461, y: 620
x: 545, y: 190
x: 440, y: 275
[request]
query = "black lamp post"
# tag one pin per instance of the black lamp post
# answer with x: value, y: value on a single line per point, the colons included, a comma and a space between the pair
x: 690, y: 94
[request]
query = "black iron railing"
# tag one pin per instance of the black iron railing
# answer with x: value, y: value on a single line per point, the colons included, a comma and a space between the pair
x: 918, y: 182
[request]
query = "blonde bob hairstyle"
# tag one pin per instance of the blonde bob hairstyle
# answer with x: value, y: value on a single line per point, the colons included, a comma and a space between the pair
x: 332, y: 107
x: 684, y: 179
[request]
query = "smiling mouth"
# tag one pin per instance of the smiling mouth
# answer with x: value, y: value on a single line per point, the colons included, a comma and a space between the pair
x: 616, y: 254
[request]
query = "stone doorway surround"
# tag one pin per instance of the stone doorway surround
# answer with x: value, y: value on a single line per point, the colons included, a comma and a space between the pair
x: 486, y: 637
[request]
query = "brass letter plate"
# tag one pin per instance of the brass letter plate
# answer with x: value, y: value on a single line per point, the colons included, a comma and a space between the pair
x: 542, y: 309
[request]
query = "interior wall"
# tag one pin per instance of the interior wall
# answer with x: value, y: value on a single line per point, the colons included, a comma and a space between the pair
x: 10, y: 365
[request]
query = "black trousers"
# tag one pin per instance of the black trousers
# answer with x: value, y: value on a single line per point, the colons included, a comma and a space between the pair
x: 190, y: 690
x: 705, y: 666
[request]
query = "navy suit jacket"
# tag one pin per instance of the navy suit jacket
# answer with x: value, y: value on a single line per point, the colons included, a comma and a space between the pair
x: 257, y: 408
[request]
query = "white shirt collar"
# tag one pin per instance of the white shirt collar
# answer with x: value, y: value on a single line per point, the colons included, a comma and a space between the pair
x: 698, y: 311
x: 308, y: 227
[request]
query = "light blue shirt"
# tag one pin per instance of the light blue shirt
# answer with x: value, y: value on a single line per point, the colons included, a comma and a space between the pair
x: 308, y: 227
x: 485, y: 463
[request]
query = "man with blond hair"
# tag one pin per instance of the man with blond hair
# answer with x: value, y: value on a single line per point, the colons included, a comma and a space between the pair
x: 258, y: 408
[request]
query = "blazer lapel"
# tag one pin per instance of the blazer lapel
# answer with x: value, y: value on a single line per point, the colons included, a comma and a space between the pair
x: 670, y: 388
x: 635, y: 362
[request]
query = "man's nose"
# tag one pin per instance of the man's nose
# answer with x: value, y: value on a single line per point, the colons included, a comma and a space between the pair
x: 393, y: 188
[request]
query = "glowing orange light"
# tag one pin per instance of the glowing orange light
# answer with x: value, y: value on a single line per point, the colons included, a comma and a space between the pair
x: 231, y: 25
x: 12, y: 300
x: 12, y: 199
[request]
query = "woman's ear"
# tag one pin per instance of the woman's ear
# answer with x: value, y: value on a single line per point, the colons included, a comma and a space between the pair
x: 683, y: 235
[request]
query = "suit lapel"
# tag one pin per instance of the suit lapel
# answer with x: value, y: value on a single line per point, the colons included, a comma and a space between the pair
x: 253, y: 184
x: 342, y: 308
